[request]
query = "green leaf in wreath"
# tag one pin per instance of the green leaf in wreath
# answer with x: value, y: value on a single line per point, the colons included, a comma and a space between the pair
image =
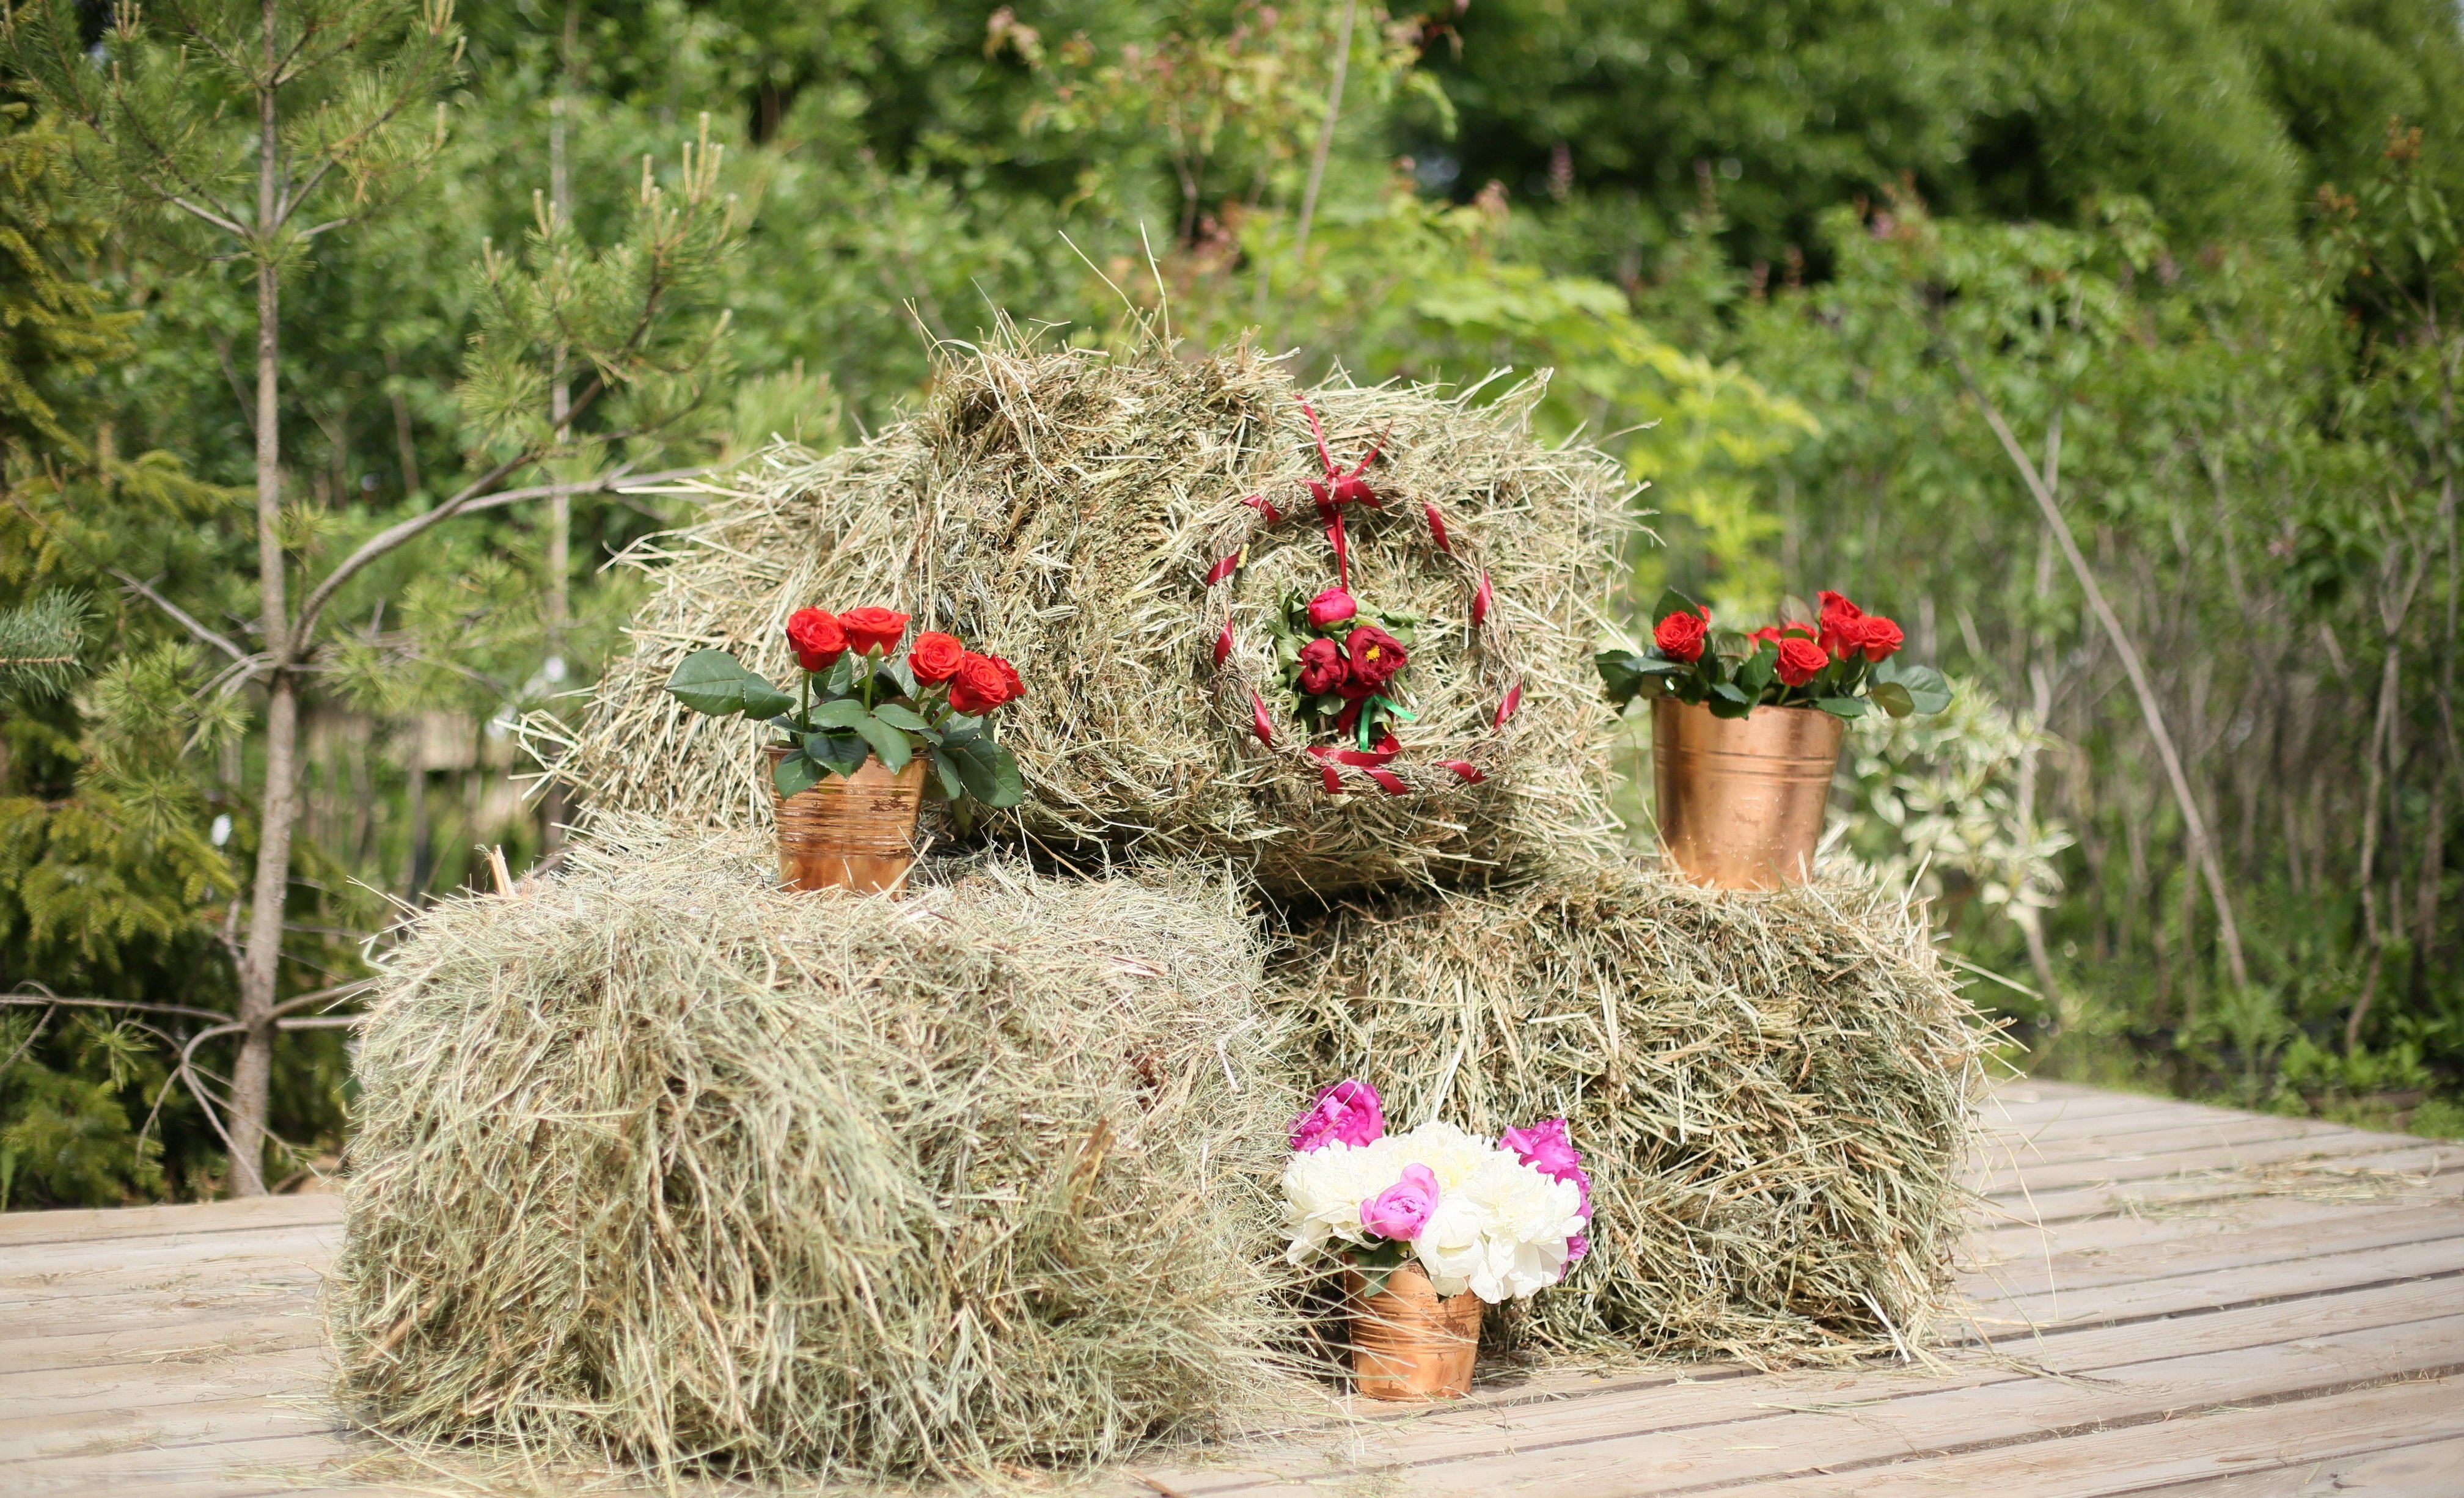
x: 713, y: 681
x: 841, y: 754
x: 794, y: 774
x: 887, y: 743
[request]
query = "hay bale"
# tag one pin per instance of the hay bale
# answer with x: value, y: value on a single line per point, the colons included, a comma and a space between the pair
x: 658, y: 1165
x: 1773, y: 1092
x: 1064, y: 508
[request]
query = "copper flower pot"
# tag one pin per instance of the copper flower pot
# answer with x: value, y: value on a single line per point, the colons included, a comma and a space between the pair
x: 1408, y: 1344
x: 849, y: 831
x: 1741, y: 799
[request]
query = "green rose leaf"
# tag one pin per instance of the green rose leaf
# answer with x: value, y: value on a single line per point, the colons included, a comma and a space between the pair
x: 887, y: 742
x: 841, y: 754
x: 1760, y: 669
x: 1926, y: 690
x: 845, y: 713
x: 1893, y: 698
x: 761, y: 700
x: 713, y: 681
x: 1672, y: 601
x: 1841, y: 707
x: 945, y: 768
x: 899, y: 716
x: 795, y: 772
x: 989, y: 772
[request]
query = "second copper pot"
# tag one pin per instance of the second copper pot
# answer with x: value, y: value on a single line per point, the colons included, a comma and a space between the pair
x: 1741, y: 799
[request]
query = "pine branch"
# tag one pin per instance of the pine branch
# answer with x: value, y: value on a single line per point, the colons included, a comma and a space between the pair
x: 146, y: 591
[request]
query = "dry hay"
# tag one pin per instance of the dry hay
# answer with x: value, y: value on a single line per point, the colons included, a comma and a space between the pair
x: 1063, y: 508
x: 659, y: 1164
x: 1773, y: 1092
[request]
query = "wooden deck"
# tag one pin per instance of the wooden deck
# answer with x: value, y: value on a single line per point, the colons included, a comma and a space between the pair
x: 2166, y: 1298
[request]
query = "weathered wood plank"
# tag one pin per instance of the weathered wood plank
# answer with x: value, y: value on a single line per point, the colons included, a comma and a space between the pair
x: 2065, y: 1269
x: 2275, y: 1448
x: 102, y: 1224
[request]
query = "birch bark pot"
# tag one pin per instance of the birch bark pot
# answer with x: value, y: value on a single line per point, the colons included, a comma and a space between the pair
x: 849, y: 831
x: 1408, y: 1344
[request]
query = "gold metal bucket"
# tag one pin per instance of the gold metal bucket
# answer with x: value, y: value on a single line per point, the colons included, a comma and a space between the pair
x: 1741, y: 799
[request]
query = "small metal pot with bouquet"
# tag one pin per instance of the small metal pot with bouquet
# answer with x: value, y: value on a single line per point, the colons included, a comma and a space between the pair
x: 868, y: 736
x: 1746, y: 729
x: 1431, y: 1227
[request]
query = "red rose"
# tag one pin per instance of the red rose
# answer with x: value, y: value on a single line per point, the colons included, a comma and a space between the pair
x: 1839, y: 621
x: 1877, y: 636
x: 1375, y: 657
x: 1679, y: 636
x: 980, y: 685
x: 816, y: 638
x: 1012, y: 688
x: 1775, y: 633
x: 1322, y: 667
x: 1800, y: 659
x: 1332, y: 608
x: 872, y: 629
x: 935, y: 657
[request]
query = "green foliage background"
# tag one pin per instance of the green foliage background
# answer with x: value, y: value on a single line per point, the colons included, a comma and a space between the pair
x: 1747, y: 239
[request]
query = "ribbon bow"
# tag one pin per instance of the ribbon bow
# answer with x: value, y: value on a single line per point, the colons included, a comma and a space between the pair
x: 1338, y: 489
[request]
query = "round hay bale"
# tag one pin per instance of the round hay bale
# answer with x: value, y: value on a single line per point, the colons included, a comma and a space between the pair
x: 658, y: 1165
x: 1773, y: 1093
x: 1105, y: 523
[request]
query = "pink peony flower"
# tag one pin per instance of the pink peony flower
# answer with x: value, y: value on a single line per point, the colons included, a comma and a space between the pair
x: 1576, y: 1248
x: 1346, y: 1113
x: 1402, y: 1209
x: 1332, y: 608
x: 1546, y: 1149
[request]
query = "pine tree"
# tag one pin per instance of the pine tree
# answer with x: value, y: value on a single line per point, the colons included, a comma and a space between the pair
x: 256, y: 134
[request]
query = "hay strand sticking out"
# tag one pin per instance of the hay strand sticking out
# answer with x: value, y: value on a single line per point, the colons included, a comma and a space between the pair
x: 661, y: 1166
x: 1773, y: 1092
x: 1062, y: 509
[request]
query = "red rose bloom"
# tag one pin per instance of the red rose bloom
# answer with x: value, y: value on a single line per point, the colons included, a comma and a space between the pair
x: 1012, y: 688
x: 1332, y: 608
x: 816, y: 638
x: 1679, y: 636
x: 980, y: 685
x: 935, y: 657
x: 1375, y: 657
x: 872, y: 629
x: 1800, y: 659
x: 1839, y: 621
x: 1322, y: 667
x: 1775, y: 633
x: 1877, y: 636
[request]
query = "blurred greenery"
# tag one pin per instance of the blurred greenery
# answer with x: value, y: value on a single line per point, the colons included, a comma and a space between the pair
x: 1778, y: 257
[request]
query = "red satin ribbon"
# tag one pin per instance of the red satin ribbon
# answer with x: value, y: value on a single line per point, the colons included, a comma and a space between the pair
x: 1437, y: 526
x: 1223, y: 642
x: 1223, y: 568
x: 1258, y: 718
x: 1264, y: 506
x: 1463, y: 769
x: 1506, y: 709
x: 1481, y: 601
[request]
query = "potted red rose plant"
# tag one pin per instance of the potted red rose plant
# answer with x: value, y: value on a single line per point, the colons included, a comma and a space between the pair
x: 1746, y: 729
x: 868, y: 734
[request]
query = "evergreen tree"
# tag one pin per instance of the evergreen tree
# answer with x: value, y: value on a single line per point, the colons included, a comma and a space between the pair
x: 253, y: 134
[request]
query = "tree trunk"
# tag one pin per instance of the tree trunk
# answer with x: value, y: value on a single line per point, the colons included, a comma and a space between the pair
x: 251, y: 1079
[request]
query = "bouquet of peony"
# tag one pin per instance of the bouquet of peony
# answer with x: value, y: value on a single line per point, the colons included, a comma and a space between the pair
x: 1501, y: 1218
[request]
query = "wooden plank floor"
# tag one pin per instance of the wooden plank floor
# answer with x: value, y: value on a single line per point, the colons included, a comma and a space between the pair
x: 2161, y: 1298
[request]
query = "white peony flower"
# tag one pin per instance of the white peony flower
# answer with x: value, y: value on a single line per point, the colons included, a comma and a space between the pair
x: 1453, y: 1247
x: 1451, y: 1155
x: 1323, y: 1190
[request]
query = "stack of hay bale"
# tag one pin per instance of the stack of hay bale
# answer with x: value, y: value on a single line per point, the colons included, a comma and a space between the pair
x: 904, y: 1146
